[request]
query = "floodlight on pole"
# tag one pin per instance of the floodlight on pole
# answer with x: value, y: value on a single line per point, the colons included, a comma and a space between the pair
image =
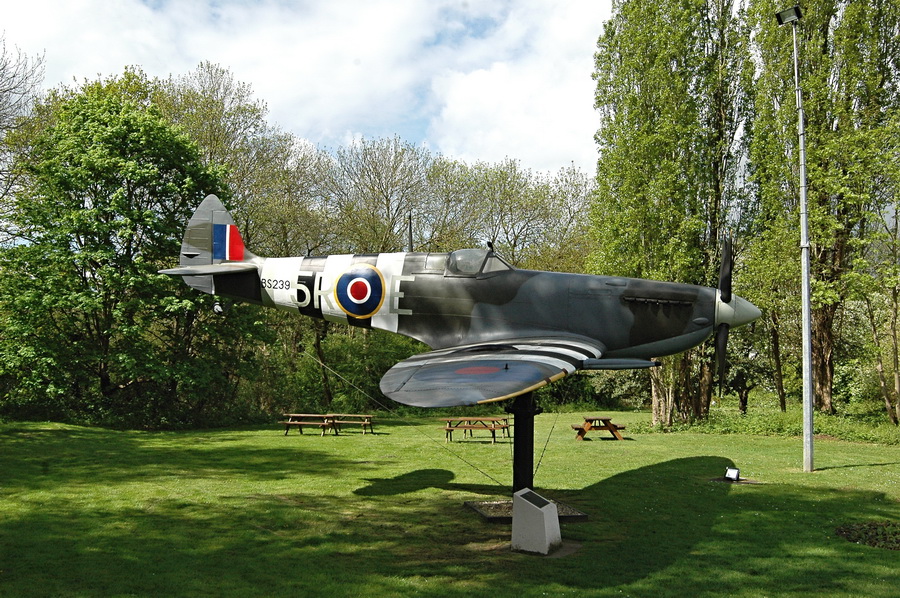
x: 789, y: 15
x: 793, y: 15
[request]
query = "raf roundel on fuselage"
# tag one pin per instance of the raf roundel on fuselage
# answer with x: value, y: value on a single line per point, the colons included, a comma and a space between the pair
x: 360, y: 291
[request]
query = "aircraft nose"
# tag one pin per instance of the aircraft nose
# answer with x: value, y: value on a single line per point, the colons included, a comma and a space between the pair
x: 737, y: 312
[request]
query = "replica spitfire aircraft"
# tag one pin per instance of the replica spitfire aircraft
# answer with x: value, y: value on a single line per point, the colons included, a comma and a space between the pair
x: 497, y: 332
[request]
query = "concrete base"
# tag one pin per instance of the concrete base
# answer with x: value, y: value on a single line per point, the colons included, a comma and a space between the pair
x: 535, y: 525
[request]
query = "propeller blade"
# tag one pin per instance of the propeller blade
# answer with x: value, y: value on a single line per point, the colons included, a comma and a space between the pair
x: 725, y: 269
x: 721, y: 355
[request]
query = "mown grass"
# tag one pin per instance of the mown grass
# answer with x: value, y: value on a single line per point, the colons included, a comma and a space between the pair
x: 93, y: 512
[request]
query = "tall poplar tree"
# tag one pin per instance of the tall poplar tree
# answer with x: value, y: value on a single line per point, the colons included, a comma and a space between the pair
x: 671, y: 103
x: 849, y: 65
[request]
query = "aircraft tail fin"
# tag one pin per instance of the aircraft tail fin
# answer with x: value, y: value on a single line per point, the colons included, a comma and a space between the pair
x: 212, y: 245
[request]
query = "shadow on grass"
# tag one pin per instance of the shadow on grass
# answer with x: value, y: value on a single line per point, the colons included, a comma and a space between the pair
x: 661, y: 510
x: 669, y: 529
x: 423, y: 479
x: 659, y: 529
x: 57, y: 456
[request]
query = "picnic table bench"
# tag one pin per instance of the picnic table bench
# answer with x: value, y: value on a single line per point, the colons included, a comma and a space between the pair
x: 597, y: 423
x: 468, y: 425
x: 299, y: 420
x: 327, y: 421
x: 343, y: 419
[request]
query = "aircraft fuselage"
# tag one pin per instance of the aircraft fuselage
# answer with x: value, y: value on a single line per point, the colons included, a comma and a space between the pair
x: 421, y: 295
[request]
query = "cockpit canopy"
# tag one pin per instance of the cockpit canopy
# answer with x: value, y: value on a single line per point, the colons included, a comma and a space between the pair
x: 472, y: 262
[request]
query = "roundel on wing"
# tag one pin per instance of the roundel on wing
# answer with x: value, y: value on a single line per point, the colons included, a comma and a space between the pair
x: 478, y: 370
x: 360, y: 291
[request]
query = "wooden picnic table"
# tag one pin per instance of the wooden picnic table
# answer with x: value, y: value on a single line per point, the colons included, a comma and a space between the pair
x: 327, y: 421
x: 597, y: 423
x: 469, y: 424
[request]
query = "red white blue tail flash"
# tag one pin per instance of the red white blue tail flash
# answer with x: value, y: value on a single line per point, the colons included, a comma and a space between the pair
x: 227, y: 243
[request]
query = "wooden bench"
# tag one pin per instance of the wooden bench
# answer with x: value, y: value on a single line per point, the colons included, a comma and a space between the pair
x: 327, y: 421
x: 469, y: 424
x: 315, y: 420
x: 597, y: 423
x: 340, y: 419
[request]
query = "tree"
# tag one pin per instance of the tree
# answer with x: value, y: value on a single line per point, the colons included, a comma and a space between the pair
x: 877, y: 283
x: 230, y: 129
x: 20, y: 77
x: 668, y: 180
x: 516, y: 207
x: 107, y: 188
x: 373, y: 187
x: 769, y: 273
x: 850, y: 62
x: 292, y: 215
x: 564, y: 243
x: 452, y: 212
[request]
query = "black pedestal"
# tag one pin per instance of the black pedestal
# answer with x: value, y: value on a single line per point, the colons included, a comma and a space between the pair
x: 523, y: 409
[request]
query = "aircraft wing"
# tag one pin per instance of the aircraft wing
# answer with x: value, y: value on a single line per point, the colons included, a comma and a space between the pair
x: 485, y: 372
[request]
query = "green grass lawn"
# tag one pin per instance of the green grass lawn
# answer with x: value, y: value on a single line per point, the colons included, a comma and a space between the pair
x: 250, y: 512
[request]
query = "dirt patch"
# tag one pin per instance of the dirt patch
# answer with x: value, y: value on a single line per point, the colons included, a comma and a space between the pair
x: 880, y: 534
x: 500, y: 511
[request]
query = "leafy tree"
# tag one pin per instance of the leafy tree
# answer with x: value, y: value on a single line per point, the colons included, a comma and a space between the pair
x: 850, y: 58
x: 108, y: 188
x: 671, y: 104
x: 877, y: 282
x: 770, y: 277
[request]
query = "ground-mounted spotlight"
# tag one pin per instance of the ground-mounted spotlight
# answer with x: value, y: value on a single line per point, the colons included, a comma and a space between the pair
x: 218, y: 308
x: 732, y: 474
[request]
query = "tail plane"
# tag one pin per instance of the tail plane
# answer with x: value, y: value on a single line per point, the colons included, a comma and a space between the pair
x: 212, y: 246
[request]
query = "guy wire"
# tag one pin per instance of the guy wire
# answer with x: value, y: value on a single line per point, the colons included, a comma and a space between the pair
x: 546, y: 442
x: 404, y: 420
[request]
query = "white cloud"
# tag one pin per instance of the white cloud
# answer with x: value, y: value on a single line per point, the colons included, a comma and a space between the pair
x: 535, y: 102
x: 473, y: 80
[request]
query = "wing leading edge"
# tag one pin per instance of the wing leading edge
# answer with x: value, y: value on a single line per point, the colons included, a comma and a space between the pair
x: 485, y: 372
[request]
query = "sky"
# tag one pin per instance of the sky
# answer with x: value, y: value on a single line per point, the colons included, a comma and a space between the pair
x: 477, y: 80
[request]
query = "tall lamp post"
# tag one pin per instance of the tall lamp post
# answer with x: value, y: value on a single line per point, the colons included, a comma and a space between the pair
x: 792, y: 15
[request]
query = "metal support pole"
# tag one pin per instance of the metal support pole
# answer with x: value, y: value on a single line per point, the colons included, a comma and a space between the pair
x: 523, y: 408
x: 808, y: 406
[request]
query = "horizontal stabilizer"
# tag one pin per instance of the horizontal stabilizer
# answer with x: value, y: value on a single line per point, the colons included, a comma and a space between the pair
x: 214, y: 269
x: 619, y: 364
